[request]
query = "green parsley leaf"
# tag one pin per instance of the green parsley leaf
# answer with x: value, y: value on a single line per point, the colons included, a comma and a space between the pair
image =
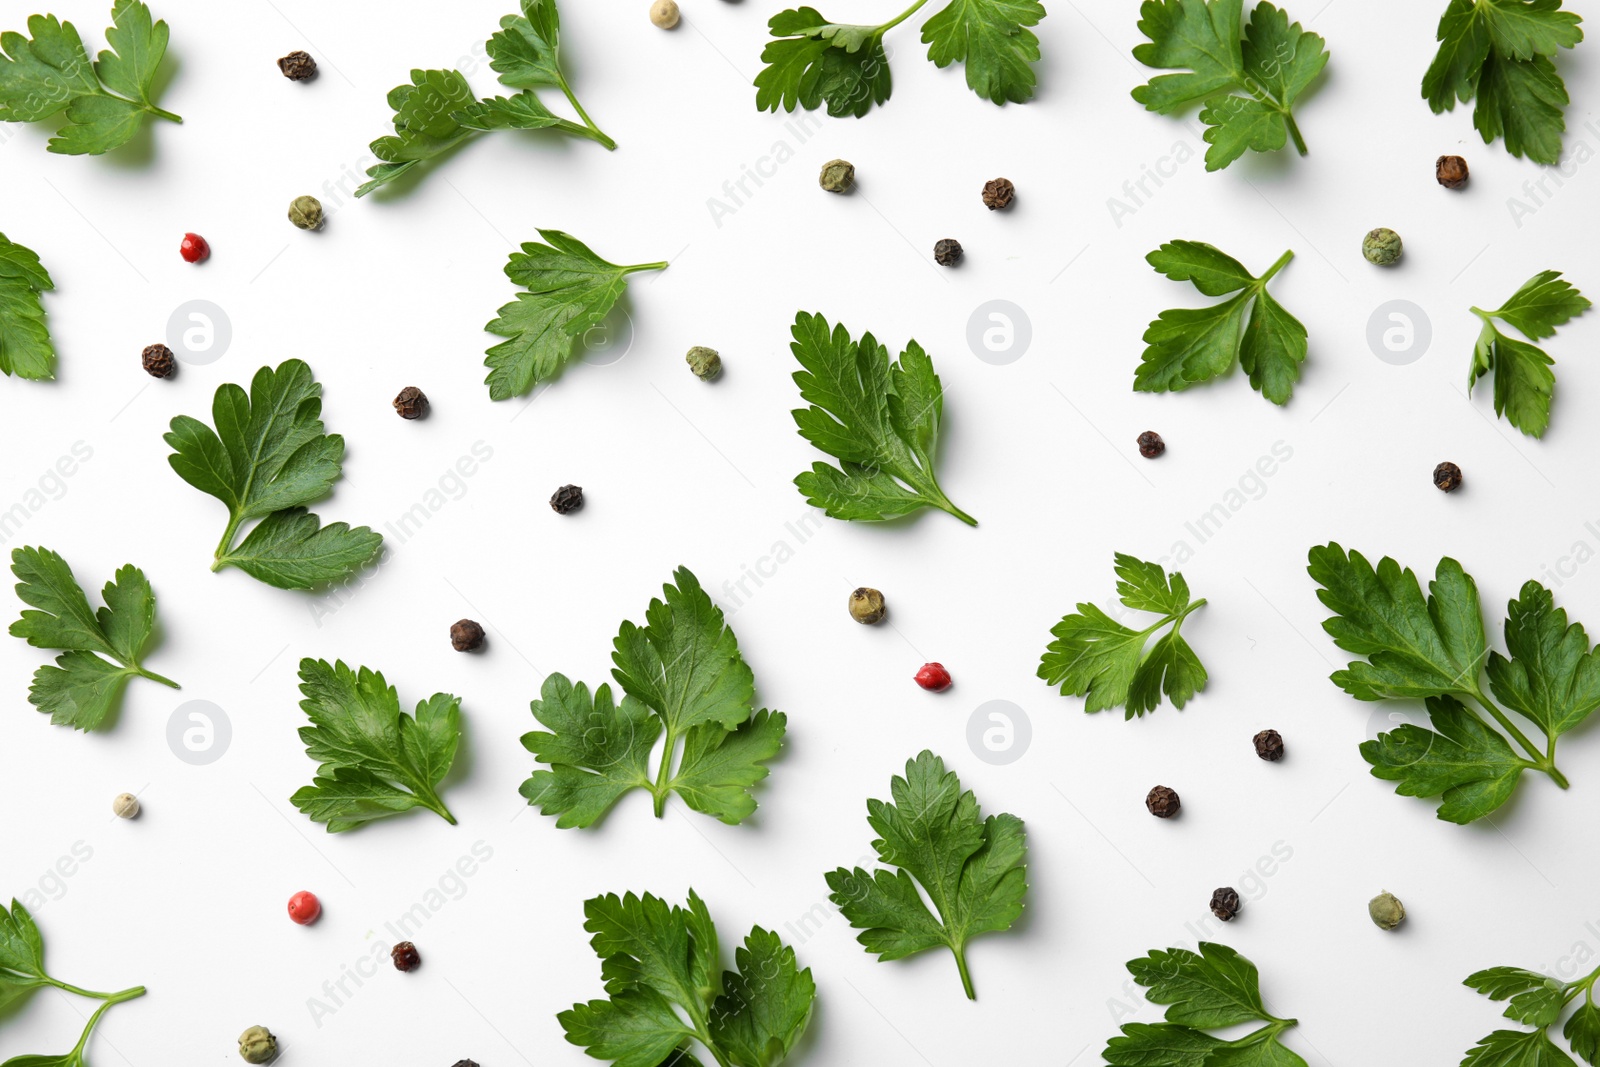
x: 1537, y: 1001
x: 268, y: 457
x: 682, y: 676
x: 22, y: 971
x: 1498, y: 51
x: 812, y: 61
x: 1247, y: 83
x: 101, y: 649
x: 373, y: 760
x: 25, y: 348
x: 106, y: 101
x: 879, y: 418
x: 972, y: 869
x: 1212, y: 989
x: 661, y: 960
x: 570, y: 290
x: 1435, y: 648
x: 1523, y: 380
x: 1096, y: 656
x: 437, y: 111
x: 1191, y: 345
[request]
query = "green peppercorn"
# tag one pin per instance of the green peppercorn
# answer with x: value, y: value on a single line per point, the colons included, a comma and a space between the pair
x: 257, y: 1045
x: 1382, y: 246
x: 837, y: 176
x: 867, y: 606
x: 1386, y: 910
x: 306, y: 212
x: 705, y: 362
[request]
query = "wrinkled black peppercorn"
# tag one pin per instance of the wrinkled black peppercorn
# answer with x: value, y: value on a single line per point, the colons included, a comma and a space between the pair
x: 1151, y: 445
x: 1269, y: 745
x: 1162, y: 802
x: 412, y: 403
x: 297, y: 66
x: 567, y: 499
x: 405, y: 956
x: 1451, y: 171
x: 464, y: 1063
x: 947, y: 252
x: 1225, y: 903
x: 1447, y: 477
x: 998, y: 193
x: 158, y: 362
x: 466, y: 636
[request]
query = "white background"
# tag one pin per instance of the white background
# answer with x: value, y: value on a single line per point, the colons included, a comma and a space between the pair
x: 189, y: 899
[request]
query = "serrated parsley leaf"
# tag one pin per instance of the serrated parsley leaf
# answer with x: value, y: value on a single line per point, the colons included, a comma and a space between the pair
x: 268, y: 457
x: 973, y: 870
x: 879, y: 418
x: 1212, y: 989
x: 1523, y: 381
x: 1096, y: 656
x: 1435, y: 648
x: 104, y: 102
x: 569, y: 291
x: 1498, y: 51
x: 660, y: 961
x: 25, y: 348
x: 814, y: 61
x: 1186, y: 346
x: 1538, y: 1001
x: 372, y: 759
x: 101, y: 649
x: 682, y: 676
x: 1248, y: 81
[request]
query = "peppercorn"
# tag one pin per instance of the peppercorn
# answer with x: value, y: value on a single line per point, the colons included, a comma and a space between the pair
x: 306, y: 212
x: 1382, y: 246
x: 1386, y: 910
x: 1151, y: 445
x: 838, y: 176
x: 664, y: 13
x: 405, y: 956
x: 464, y: 1063
x: 947, y: 252
x: 466, y: 636
x: 1269, y: 745
x: 257, y: 1045
x: 1447, y: 477
x: 567, y: 499
x: 1163, y: 802
x: 1451, y: 171
x: 705, y: 362
x: 933, y: 677
x: 158, y: 361
x: 298, y: 66
x: 193, y: 248
x: 412, y: 403
x: 998, y: 193
x: 126, y: 805
x: 1225, y: 903
x: 304, y: 908
x: 866, y: 606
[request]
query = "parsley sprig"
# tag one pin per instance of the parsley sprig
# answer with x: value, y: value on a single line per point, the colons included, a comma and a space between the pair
x: 1435, y: 649
x: 1523, y: 380
x: 1538, y: 1001
x: 25, y: 348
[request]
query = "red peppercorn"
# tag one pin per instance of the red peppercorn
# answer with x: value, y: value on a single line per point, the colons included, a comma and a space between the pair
x: 194, y: 248
x: 933, y: 677
x: 405, y: 956
x: 304, y: 908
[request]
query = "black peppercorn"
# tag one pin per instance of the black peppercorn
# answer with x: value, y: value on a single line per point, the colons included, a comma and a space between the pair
x: 158, y: 362
x: 466, y: 636
x: 412, y: 403
x: 1447, y: 477
x: 405, y: 956
x: 298, y: 66
x: 1451, y: 171
x: 1162, y: 802
x: 1151, y: 445
x: 464, y: 1063
x: 998, y: 193
x: 567, y: 499
x: 1225, y: 903
x: 947, y: 252
x: 1269, y: 745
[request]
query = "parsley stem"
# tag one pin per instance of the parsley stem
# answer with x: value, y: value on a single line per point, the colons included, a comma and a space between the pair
x: 154, y: 677
x: 110, y: 998
x: 1283, y: 261
x: 227, y: 540
x: 897, y: 20
x: 644, y: 266
x: 161, y: 114
x: 1544, y: 761
x: 596, y: 132
x: 966, y: 976
x: 663, y: 784
x: 1294, y: 133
